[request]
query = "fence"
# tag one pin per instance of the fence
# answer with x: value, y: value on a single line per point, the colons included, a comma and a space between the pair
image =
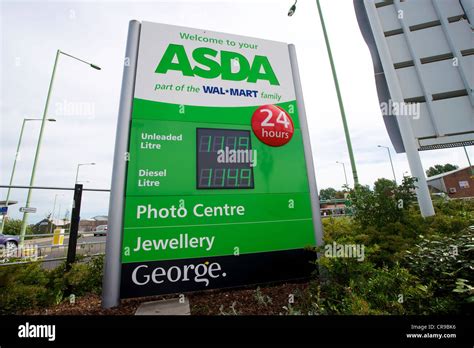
x: 40, y: 247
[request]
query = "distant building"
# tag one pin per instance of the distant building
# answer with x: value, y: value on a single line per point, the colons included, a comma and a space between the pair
x: 47, y: 226
x: 458, y: 183
x: 333, y: 207
x: 88, y: 225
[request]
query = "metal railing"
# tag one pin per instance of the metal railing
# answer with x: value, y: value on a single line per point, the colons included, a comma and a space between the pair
x: 54, y: 253
x: 58, y: 252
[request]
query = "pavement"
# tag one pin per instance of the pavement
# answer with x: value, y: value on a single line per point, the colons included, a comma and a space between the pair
x: 174, y: 306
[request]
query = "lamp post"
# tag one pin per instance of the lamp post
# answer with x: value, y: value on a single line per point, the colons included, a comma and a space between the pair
x: 338, y: 92
x: 292, y: 9
x: 345, y: 175
x: 391, y: 163
x: 78, y: 166
x: 38, y: 146
x: 54, y: 210
x: 468, y: 161
x: 16, y: 158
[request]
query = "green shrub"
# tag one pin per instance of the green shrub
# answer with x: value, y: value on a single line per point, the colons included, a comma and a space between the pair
x: 386, y: 203
x: 23, y: 287
x: 447, y: 262
x: 85, y: 277
x: 361, y: 288
x: 409, y: 265
x: 337, y: 228
x: 29, y: 286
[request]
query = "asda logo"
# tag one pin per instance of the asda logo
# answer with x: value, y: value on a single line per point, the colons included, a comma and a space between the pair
x: 210, y: 64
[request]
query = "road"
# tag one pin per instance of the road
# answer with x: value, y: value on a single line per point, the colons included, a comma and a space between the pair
x: 87, y: 244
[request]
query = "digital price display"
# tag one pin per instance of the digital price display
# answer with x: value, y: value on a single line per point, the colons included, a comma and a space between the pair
x: 224, y: 159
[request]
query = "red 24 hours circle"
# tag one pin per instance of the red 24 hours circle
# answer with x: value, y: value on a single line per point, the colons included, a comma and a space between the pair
x: 272, y: 125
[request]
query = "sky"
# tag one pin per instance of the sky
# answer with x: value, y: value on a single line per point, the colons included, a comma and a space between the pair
x: 85, y: 101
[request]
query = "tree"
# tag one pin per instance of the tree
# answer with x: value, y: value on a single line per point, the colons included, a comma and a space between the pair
x: 440, y: 169
x: 13, y: 227
x: 330, y: 193
x: 387, y: 203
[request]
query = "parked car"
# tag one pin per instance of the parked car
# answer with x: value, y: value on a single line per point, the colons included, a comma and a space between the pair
x: 100, y: 230
x: 9, y: 242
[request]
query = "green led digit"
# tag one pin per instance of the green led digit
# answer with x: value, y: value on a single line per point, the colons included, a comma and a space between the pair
x: 205, y: 178
x: 205, y: 143
x: 245, y: 176
x: 218, y: 144
x: 233, y: 174
x: 243, y: 143
x: 231, y: 142
x: 219, y: 174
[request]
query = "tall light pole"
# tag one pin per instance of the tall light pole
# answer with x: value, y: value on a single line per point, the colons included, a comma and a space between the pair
x: 339, y: 98
x: 54, y: 209
x: 78, y: 166
x: 391, y: 163
x: 338, y: 92
x: 16, y: 158
x: 468, y: 161
x: 38, y: 146
x: 345, y: 175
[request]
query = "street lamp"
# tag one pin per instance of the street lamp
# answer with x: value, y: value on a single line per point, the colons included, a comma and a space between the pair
x: 38, y: 146
x: 292, y: 9
x: 345, y: 175
x: 468, y: 161
x: 338, y: 92
x: 391, y: 163
x: 14, y: 162
x: 54, y: 210
x: 82, y: 164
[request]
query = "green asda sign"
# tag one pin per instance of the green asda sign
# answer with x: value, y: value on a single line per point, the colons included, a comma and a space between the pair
x: 205, y: 193
x: 175, y: 58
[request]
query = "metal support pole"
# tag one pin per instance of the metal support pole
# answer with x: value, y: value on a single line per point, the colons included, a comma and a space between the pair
x: 313, y: 188
x: 468, y: 161
x: 74, y: 228
x: 339, y: 98
x: 77, y: 173
x: 38, y: 146
x: 24, y: 223
x: 113, y: 251
x: 409, y: 142
x: 13, y: 173
x: 345, y: 173
x: 391, y: 163
x: 52, y: 214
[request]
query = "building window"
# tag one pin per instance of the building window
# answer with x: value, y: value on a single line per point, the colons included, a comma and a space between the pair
x: 464, y: 184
